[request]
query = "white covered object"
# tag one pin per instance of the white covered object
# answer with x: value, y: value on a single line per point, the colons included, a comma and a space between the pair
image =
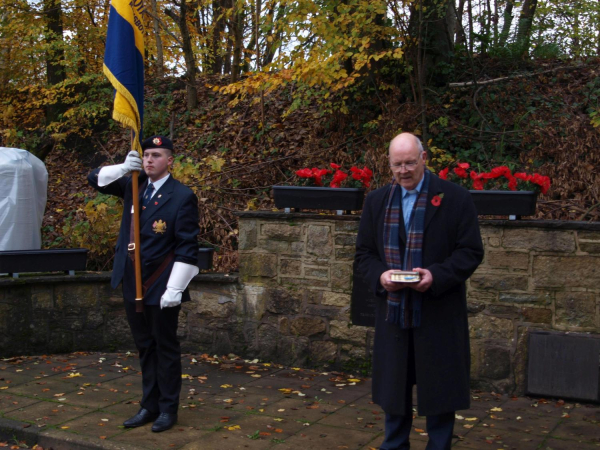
x: 23, y: 191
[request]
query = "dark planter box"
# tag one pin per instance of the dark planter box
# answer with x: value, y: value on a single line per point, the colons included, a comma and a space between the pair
x: 505, y: 203
x: 305, y: 197
x: 49, y: 260
x: 205, y: 258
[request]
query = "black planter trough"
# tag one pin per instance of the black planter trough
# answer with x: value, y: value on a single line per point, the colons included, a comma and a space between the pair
x: 307, y: 197
x: 66, y: 260
x: 505, y: 203
x: 205, y: 258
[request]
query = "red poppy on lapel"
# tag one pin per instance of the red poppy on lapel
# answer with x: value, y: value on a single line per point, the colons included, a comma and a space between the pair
x: 155, y: 203
x: 436, y: 200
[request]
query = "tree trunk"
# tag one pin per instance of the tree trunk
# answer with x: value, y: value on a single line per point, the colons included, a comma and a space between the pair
x: 524, y: 28
x: 217, y: 30
x: 507, y: 22
x: 55, y: 55
x: 238, y: 41
x: 434, y: 27
x: 459, y: 32
x: 188, y: 54
x: 160, y: 71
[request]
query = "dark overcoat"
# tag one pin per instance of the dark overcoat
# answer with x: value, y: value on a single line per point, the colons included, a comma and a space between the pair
x: 452, y: 250
x: 169, y: 222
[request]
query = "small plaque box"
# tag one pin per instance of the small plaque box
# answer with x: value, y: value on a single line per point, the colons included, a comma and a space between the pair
x: 403, y: 276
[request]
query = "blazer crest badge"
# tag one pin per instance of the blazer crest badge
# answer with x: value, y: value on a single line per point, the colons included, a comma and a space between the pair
x: 159, y: 226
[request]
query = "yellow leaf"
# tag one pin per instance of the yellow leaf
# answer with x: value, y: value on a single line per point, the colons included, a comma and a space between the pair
x: 496, y: 409
x: 75, y: 374
x: 225, y: 386
x: 353, y: 380
x: 234, y: 427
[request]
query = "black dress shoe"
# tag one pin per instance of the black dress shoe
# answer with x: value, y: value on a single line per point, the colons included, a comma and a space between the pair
x: 164, y: 422
x: 141, y: 418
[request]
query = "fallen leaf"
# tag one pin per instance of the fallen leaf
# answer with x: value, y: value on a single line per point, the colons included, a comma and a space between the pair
x: 234, y: 427
x: 225, y: 386
x: 496, y: 409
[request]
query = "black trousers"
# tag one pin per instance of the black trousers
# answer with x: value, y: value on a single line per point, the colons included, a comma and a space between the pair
x: 398, y: 427
x: 155, y: 335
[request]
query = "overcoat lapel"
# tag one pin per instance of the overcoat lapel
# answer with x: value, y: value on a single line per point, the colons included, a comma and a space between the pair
x: 165, y: 192
x: 430, y: 209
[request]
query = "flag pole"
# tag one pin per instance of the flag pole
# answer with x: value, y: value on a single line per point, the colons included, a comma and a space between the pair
x: 139, y: 296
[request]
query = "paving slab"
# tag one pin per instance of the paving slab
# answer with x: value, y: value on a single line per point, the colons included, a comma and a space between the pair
x: 79, y: 401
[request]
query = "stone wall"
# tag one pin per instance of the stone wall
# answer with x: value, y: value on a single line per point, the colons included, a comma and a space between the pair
x: 290, y: 302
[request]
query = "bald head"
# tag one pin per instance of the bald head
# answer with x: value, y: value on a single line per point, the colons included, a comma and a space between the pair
x: 407, y: 160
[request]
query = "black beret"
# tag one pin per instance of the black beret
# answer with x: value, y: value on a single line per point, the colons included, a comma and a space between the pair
x: 157, y: 142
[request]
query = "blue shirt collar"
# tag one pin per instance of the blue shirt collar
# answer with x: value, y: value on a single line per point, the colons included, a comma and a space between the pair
x: 417, y: 190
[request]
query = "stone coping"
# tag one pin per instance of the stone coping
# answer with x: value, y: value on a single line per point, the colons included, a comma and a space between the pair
x: 37, y: 278
x: 547, y: 224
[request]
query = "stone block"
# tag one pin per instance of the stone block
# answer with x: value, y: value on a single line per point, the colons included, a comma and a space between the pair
x: 307, y: 326
x: 475, y: 307
x: 248, y: 234
x: 490, y: 231
x: 276, y: 247
x: 319, y: 240
x: 222, y: 344
x: 94, y: 319
x: 539, y: 298
x: 197, y: 331
x: 116, y: 330
x: 297, y: 248
x: 347, y: 226
x: 297, y: 283
x: 566, y: 271
x: 344, y: 331
x: 520, y: 360
x: 335, y: 299
x: 589, y: 247
x: 507, y: 312
x: 499, y: 281
x: 507, y: 260
x: 293, y: 351
x: 282, y: 301
x: 316, y: 272
x: 323, y: 311
x: 267, y: 340
x: 481, y: 296
x: 341, y: 276
x: 345, y: 253
x: 90, y: 341
x: 539, y: 240
x: 290, y: 267
x: 257, y: 265
x: 42, y: 297
x: 212, y: 305
x: 537, y: 315
x: 589, y: 241
x: 281, y: 231
x: 483, y: 326
x: 255, y: 299
x: 346, y: 240
x: 495, y: 363
x: 70, y: 295
x: 313, y: 296
x: 323, y: 352
x: 60, y: 341
x: 494, y: 242
x: 575, y: 309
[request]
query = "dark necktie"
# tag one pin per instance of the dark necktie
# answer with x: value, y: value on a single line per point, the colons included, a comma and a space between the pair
x: 148, y: 195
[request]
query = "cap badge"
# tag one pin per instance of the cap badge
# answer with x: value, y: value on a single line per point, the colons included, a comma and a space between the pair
x: 157, y: 141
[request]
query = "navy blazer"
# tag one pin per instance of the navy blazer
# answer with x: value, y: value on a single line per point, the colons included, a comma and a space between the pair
x: 169, y: 223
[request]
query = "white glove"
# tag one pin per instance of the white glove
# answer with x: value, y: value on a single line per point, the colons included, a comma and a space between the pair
x: 109, y: 174
x: 180, y: 277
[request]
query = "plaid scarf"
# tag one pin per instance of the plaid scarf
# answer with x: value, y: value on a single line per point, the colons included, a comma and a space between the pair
x: 404, y: 306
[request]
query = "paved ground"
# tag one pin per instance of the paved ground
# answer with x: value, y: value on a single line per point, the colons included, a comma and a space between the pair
x: 79, y: 401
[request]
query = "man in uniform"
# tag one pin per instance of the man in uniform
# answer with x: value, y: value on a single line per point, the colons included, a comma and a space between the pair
x: 423, y: 224
x: 169, y: 254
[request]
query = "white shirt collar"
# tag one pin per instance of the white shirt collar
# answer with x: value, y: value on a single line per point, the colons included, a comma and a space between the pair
x: 158, y: 183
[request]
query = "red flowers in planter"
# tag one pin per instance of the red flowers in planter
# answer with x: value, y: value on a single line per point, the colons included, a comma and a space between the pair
x: 360, y: 178
x: 500, y: 178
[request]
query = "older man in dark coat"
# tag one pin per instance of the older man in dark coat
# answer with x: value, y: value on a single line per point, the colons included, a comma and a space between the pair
x: 430, y: 226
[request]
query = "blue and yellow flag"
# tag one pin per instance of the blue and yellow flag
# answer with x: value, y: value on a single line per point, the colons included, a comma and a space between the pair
x: 124, y: 64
